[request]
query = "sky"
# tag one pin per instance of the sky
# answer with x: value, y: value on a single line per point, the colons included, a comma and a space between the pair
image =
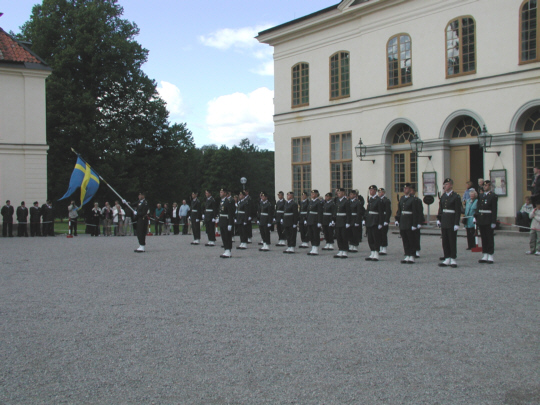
x: 215, y: 77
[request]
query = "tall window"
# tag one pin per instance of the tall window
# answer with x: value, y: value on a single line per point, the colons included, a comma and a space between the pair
x: 341, y: 161
x: 460, y: 47
x: 301, y: 165
x: 339, y: 75
x: 404, y: 167
x: 529, y: 46
x: 300, y: 85
x: 399, y: 61
x: 531, y: 149
x: 465, y: 128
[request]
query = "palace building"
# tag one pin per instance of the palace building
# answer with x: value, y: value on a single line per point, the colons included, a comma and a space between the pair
x: 431, y: 88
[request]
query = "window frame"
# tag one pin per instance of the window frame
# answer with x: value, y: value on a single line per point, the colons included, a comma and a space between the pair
x: 341, y: 161
x: 520, y: 33
x: 461, y: 72
x: 300, y: 84
x: 302, y: 164
x: 340, y: 79
x: 398, y: 36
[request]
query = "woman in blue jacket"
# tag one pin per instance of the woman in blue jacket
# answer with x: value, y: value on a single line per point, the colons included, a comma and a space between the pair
x: 470, y: 210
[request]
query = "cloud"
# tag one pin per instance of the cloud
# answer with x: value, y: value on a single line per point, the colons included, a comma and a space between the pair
x: 233, y: 117
x: 172, y: 96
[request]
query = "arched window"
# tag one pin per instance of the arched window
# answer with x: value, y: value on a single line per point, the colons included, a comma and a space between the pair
x: 460, y: 47
x: 339, y: 75
x: 467, y: 127
x: 533, y: 122
x: 300, y: 85
x: 399, y: 61
x: 404, y: 164
x: 531, y: 149
x: 529, y: 45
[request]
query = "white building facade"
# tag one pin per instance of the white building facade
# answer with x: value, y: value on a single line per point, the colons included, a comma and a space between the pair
x: 23, y: 144
x: 384, y: 71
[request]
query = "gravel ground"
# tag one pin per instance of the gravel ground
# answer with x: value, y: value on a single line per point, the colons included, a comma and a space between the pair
x: 87, y: 321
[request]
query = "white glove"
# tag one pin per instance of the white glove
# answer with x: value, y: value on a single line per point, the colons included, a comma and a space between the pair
x: 249, y: 218
x: 397, y: 223
x: 380, y: 227
x: 385, y: 224
x: 294, y: 226
x: 269, y: 225
x: 215, y: 220
x: 245, y: 223
x: 413, y: 228
x: 356, y: 224
x: 257, y: 222
x: 319, y: 225
x: 134, y: 212
x: 332, y: 223
x: 197, y: 220
x: 456, y: 227
x: 474, y: 220
x: 124, y: 202
x: 281, y: 222
x: 305, y: 222
x: 203, y: 217
x: 438, y: 223
x: 347, y: 226
x: 229, y: 228
x: 419, y: 226
x: 493, y: 226
x: 364, y: 223
x: 235, y: 221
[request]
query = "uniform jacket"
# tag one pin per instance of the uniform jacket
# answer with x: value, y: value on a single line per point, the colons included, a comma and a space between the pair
x: 290, y: 216
x: 7, y: 213
x: 419, y: 210
x: 329, y: 212
x: 242, y: 211
x: 280, y: 206
x: 35, y: 214
x: 487, y: 209
x: 449, y: 210
x: 315, y: 212
x: 374, y: 215
x: 47, y: 212
x: 304, y: 204
x: 406, y: 213
x: 196, y: 210
x: 356, y: 208
x: 211, y: 209
x: 142, y: 210
x: 265, y: 213
x: 22, y: 214
x: 387, y: 208
x: 226, y: 212
x: 343, y: 212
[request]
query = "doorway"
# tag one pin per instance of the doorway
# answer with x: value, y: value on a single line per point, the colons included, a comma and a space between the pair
x: 466, y: 163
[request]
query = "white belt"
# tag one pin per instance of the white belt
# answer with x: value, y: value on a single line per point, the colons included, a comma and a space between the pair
x: 280, y: 212
x: 327, y: 213
x: 264, y: 213
x: 303, y: 213
x: 193, y: 210
x: 449, y: 211
x: 373, y: 213
x: 240, y: 212
x: 209, y: 210
x: 484, y: 211
x: 354, y: 213
x: 288, y: 213
x: 341, y: 214
x: 406, y: 212
x: 224, y: 215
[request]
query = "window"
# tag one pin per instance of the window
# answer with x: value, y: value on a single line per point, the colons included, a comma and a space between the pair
x: 533, y: 122
x: 399, y: 61
x: 467, y: 127
x: 300, y: 85
x: 339, y: 75
x: 341, y: 161
x: 529, y: 30
x: 531, y: 150
x: 404, y: 167
x: 460, y: 47
x: 301, y: 165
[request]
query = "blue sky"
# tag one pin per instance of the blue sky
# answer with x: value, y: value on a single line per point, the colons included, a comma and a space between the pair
x: 210, y: 70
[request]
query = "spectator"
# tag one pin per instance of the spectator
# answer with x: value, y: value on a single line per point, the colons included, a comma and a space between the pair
x: 470, y: 209
x: 128, y: 222
x: 73, y: 215
x: 158, y: 217
x: 7, y: 219
x: 107, y: 216
x: 535, y: 186
x: 466, y: 194
x: 522, y: 217
x: 480, y: 187
x: 175, y: 218
x: 118, y: 219
x: 184, y: 210
x: 167, y: 219
x: 534, y: 241
x: 96, y: 215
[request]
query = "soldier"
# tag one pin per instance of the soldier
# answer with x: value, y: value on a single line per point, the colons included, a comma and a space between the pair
x: 406, y: 220
x: 486, y: 219
x: 354, y: 233
x: 265, y: 213
x: 387, y: 214
x: 251, y: 213
x: 314, y: 222
x: 374, y: 220
x: 47, y: 213
x: 242, y: 212
x: 22, y: 219
x: 35, y: 215
x: 226, y: 220
x: 420, y: 218
x: 290, y: 222
x: 209, y: 218
x: 7, y: 219
x: 195, y: 216
x: 141, y: 216
x: 280, y: 206
x: 328, y: 222
x: 448, y: 220
x: 343, y: 222
x: 302, y: 226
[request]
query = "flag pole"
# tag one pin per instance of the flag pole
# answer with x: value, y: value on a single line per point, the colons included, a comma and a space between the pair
x: 104, y: 181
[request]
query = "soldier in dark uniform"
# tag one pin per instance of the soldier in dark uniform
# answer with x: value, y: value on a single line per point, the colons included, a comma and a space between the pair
x: 280, y: 206
x: 302, y: 226
x: 314, y: 222
x: 374, y: 219
x: 22, y: 219
x: 242, y: 213
x: 7, y: 219
x: 406, y: 220
x: 251, y: 213
x: 141, y: 216
x: 343, y: 222
x: 355, y: 230
x: 35, y: 214
x: 209, y: 218
x: 290, y: 222
x: 265, y: 214
x: 47, y: 215
x: 387, y: 215
x: 195, y: 216
x: 328, y: 222
x: 486, y: 219
x: 448, y: 220
x: 421, y: 219
x: 226, y: 220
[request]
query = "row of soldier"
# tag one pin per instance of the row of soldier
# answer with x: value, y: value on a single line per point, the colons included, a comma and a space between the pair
x: 41, y: 219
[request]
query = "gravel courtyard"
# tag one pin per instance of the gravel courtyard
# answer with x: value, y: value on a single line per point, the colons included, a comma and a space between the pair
x: 87, y: 321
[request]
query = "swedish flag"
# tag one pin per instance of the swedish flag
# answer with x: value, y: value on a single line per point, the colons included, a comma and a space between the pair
x: 84, y: 177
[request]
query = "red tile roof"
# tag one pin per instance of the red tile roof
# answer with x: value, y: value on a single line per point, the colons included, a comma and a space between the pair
x: 13, y: 51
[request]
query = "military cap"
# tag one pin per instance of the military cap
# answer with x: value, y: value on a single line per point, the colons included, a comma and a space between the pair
x: 340, y: 189
x: 353, y: 191
x: 35, y: 202
x: 224, y: 190
x: 329, y: 195
x: 142, y: 193
x: 280, y: 192
x: 315, y: 191
x: 373, y: 187
x: 413, y: 186
x: 382, y: 189
x: 264, y: 193
x: 407, y: 185
x: 448, y: 180
x: 487, y: 182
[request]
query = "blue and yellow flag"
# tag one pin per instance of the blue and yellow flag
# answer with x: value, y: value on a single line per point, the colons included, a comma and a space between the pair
x: 84, y: 177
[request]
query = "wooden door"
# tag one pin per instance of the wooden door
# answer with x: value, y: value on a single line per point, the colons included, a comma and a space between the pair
x: 460, y: 167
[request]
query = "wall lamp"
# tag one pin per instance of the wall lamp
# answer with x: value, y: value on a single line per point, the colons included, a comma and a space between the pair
x: 417, y: 145
x: 484, y: 140
x: 361, y: 151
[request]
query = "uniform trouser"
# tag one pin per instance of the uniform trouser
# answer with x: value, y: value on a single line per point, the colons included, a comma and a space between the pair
x: 355, y: 234
x: 249, y: 229
x: 22, y: 229
x: 34, y: 229
x: 141, y: 231
x: 314, y: 235
x: 265, y: 233
x: 341, y: 237
x: 488, y: 240
x: 374, y: 238
x: 471, y: 237
x: 281, y: 236
x: 407, y: 238
x: 95, y: 228
x: 210, y: 230
x: 449, y: 242
x: 176, y: 225
x: 243, y: 232
x: 290, y: 233
x: 303, y: 231
x: 226, y: 237
x: 47, y: 228
x: 417, y: 247
x: 384, y: 236
x: 196, y: 229
x: 328, y: 234
x: 7, y: 228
